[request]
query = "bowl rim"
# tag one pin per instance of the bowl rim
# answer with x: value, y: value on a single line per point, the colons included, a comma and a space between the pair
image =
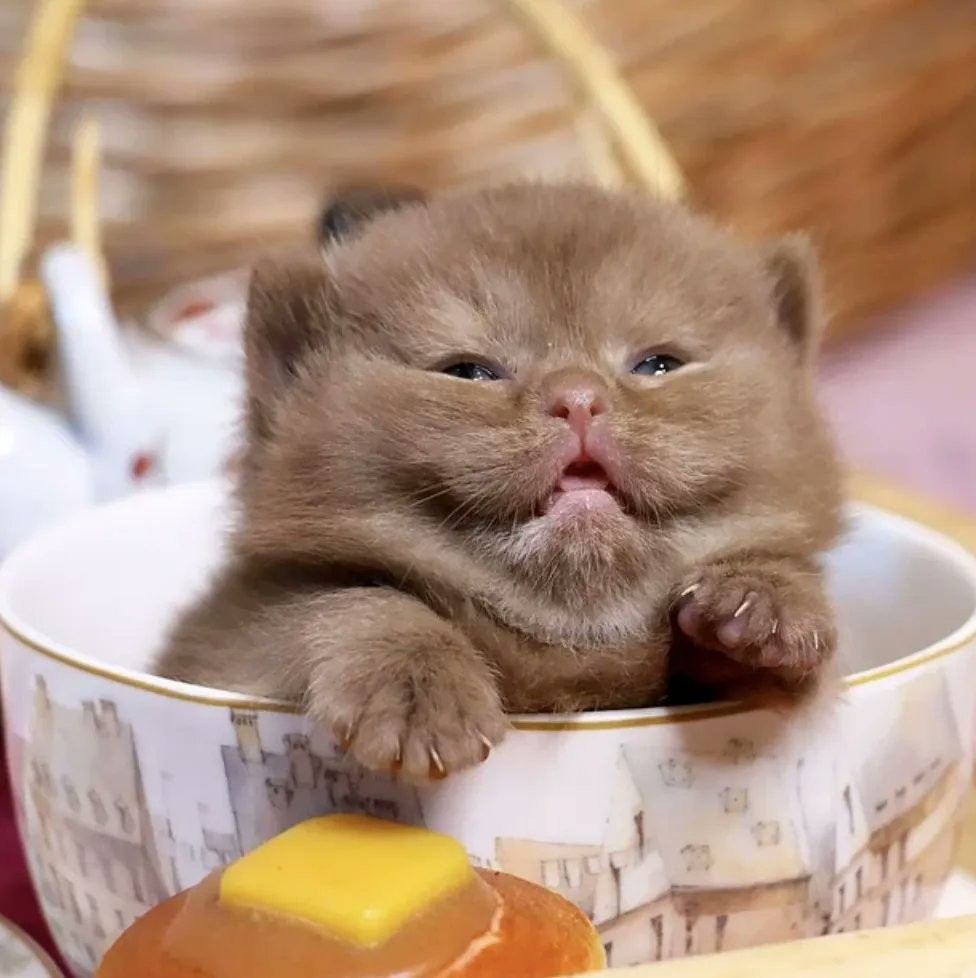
x: 949, y: 550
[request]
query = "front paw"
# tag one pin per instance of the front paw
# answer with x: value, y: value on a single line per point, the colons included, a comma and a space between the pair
x: 759, y: 614
x: 420, y: 719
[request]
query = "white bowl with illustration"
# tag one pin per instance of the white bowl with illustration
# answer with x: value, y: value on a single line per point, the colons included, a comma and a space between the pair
x: 679, y: 831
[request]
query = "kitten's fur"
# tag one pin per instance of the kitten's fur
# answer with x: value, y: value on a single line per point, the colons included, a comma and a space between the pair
x: 391, y: 567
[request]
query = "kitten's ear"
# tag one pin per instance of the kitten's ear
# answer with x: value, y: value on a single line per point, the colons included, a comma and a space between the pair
x: 792, y: 269
x: 349, y: 209
x: 289, y: 308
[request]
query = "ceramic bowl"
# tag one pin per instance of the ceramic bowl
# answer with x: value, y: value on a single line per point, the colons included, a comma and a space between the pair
x: 679, y: 831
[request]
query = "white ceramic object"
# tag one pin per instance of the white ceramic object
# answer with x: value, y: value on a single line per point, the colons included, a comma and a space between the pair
x: 170, y: 397
x: 678, y: 831
x: 108, y: 407
x: 191, y: 360
x: 106, y: 442
x: 205, y: 316
x: 140, y: 410
x: 21, y: 957
x: 45, y: 474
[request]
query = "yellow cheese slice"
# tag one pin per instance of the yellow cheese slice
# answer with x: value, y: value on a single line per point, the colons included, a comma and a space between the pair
x: 359, y: 878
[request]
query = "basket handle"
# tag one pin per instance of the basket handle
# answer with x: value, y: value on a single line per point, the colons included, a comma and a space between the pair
x: 624, y: 145
x: 38, y: 78
x: 86, y: 162
x: 630, y: 142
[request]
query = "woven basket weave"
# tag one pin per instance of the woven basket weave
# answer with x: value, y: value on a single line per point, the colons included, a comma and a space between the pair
x: 224, y: 122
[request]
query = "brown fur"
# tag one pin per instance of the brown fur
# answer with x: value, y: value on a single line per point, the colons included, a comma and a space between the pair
x: 390, y: 565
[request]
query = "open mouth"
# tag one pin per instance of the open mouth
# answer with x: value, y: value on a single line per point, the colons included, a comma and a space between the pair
x: 584, y: 486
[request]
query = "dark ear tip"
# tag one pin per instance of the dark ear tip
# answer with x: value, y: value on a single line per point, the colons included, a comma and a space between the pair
x: 352, y: 206
x: 793, y: 271
x: 295, y: 271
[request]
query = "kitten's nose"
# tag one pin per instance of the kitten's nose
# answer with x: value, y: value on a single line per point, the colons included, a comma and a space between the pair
x: 577, y: 397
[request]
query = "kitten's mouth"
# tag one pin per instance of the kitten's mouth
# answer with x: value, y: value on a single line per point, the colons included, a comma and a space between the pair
x: 583, y: 487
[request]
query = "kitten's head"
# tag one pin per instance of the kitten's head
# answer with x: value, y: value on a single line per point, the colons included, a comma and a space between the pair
x: 520, y: 392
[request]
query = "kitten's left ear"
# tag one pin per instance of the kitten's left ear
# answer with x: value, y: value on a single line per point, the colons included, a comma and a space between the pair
x: 290, y: 311
x: 794, y: 276
x: 349, y: 209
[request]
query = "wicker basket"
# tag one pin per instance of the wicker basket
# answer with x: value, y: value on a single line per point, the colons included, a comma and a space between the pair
x: 224, y: 122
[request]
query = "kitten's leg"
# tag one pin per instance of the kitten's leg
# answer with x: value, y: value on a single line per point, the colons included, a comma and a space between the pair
x: 402, y: 688
x: 756, y: 614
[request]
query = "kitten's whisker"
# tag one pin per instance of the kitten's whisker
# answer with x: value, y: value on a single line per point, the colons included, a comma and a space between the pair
x: 449, y: 520
x: 416, y: 501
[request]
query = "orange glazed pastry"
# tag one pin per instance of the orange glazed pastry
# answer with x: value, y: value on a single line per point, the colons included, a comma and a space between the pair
x: 346, y: 896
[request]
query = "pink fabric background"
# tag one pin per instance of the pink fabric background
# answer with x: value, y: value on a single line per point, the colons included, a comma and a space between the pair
x: 903, y: 398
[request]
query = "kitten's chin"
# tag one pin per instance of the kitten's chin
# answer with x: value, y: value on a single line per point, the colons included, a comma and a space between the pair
x: 577, y: 529
x: 582, y: 567
x: 570, y: 586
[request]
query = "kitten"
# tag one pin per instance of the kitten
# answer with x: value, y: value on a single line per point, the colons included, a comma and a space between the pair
x: 533, y: 448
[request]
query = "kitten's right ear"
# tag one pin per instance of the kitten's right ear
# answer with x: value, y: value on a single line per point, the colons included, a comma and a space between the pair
x: 290, y: 305
x: 350, y: 209
x: 791, y: 268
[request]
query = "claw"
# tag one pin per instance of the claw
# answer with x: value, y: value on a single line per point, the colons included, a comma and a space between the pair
x: 775, y: 629
x: 344, y: 737
x: 816, y: 641
x: 487, y: 744
x: 437, y: 762
x: 690, y: 590
x: 743, y: 608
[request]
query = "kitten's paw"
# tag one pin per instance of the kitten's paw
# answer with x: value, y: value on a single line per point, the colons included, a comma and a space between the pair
x: 767, y: 615
x: 419, y: 720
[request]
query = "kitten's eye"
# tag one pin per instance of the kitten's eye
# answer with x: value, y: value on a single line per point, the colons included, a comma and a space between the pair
x: 657, y: 364
x: 471, y: 371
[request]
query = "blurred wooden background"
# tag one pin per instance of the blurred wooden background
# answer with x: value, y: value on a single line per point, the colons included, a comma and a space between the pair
x: 225, y: 122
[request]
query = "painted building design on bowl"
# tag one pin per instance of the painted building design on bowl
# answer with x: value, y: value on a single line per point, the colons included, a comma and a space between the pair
x: 103, y: 858
x: 667, y: 880
x: 96, y: 863
x: 897, y: 838
x: 664, y: 882
x: 271, y: 791
x: 703, y: 838
x: 184, y: 862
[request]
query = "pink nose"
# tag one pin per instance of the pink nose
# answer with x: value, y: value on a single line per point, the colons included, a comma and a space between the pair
x: 577, y: 398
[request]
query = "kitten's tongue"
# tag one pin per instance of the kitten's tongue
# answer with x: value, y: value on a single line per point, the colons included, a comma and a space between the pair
x: 582, y: 487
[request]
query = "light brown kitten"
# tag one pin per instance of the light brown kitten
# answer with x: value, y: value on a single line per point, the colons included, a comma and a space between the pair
x: 528, y: 449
